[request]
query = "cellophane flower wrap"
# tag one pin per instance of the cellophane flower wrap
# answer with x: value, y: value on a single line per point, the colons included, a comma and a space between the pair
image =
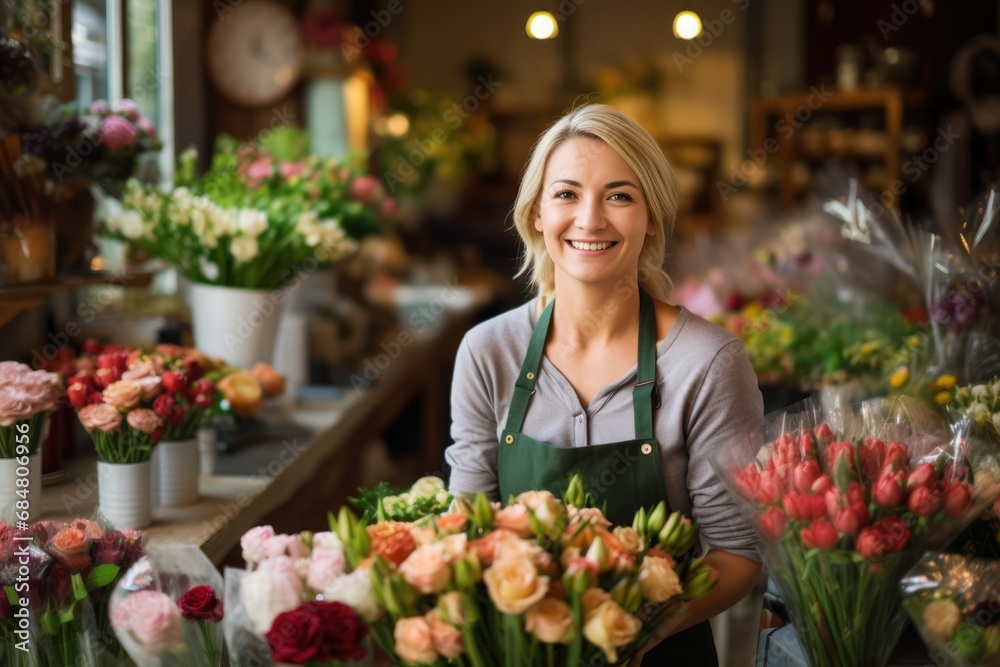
x: 56, y: 578
x: 954, y: 602
x: 27, y: 397
x: 542, y: 581
x: 845, y: 501
x: 167, y: 610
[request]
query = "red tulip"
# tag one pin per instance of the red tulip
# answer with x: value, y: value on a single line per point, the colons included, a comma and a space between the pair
x: 804, y: 474
x: 806, y: 506
x: 833, y: 453
x: 896, y: 456
x: 174, y: 382
x: 870, y: 543
x: 849, y: 520
x: 770, y: 487
x: 822, y: 484
x: 772, y: 523
x: 77, y: 395
x: 807, y: 446
x: 746, y: 481
x: 834, y: 501
x: 872, y: 454
x: 824, y: 434
x: 783, y: 452
x: 923, y: 475
x: 82, y: 378
x: 888, y: 490
x: 895, y: 533
x: 819, y: 535
x: 957, y: 499
x: 924, y: 501
x: 91, y: 346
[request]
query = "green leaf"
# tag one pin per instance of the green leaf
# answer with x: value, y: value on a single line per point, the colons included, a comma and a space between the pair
x: 50, y: 623
x: 68, y: 615
x: 79, y: 589
x: 102, y: 575
x: 12, y: 597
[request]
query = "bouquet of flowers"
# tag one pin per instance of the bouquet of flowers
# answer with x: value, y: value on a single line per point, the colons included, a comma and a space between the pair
x: 55, y: 579
x: 253, y: 218
x: 26, y: 399
x: 953, y: 603
x: 845, y: 501
x: 165, y: 609
x: 427, y: 496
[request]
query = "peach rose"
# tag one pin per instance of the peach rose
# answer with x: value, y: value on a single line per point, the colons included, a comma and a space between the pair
x: 14, y: 405
x: 427, y: 569
x: 143, y: 420
x: 629, y: 538
x: 609, y: 627
x: 138, y: 370
x: 514, y: 518
x: 548, y: 510
x: 589, y: 515
x: 658, y: 580
x: 452, y: 523
x: 455, y: 545
x: 593, y: 598
x: 414, y: 642
x: 242, y: 391
x: 514, y: 584
x: 123, y: 394
x: 423, y: 535
x: 487, y: 548
x: 447, y: 639
x: 90, y: 528
x: 941, y: 617
x: 551, y: 621
x: 71, y: 546
x: 100, y: 416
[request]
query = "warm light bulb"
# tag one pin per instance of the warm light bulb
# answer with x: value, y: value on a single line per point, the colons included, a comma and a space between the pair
x: 542, y: 25
x: 687, y: 25
x: 397, y: 124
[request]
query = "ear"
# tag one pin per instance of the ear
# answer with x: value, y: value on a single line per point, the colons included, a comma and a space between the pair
x: 538, y: 219
x: 650, y: 228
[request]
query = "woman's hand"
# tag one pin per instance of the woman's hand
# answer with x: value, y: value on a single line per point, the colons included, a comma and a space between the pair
x: 665, y: 629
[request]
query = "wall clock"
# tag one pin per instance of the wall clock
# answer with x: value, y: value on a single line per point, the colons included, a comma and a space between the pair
x: 255, y: 53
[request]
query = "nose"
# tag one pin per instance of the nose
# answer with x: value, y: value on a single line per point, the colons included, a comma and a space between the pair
x: 590, y: 216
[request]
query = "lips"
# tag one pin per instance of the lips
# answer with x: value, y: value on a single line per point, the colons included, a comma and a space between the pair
x: 592, y: 245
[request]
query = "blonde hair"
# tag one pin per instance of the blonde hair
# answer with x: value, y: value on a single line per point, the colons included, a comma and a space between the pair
x: 641, y: 153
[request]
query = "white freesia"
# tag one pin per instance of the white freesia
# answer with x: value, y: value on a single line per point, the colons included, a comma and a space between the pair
x: 980, y: 392
x: 131, y: 225
x: 243, y: 248
x: 208, y: 269
x: 274, y: 587
x: 355, y: 590
x: 979, y: 413
x: 252, y: 222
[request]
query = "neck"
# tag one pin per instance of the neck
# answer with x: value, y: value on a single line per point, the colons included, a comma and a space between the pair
x: 586, y: 315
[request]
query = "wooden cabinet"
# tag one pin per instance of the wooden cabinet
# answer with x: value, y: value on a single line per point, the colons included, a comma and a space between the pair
x: 791, y: 135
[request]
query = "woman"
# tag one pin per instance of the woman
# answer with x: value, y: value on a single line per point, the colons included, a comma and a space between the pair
x: 600, y: 357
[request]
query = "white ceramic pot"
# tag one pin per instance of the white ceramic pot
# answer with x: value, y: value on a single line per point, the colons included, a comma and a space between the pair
x: 237, y: 325
x: 176, y: 467
x: 208, y: 441
x: 30, y: 490
x: 123, y: 494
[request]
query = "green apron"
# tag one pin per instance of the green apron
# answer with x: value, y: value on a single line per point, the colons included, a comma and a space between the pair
x: 625, y: 475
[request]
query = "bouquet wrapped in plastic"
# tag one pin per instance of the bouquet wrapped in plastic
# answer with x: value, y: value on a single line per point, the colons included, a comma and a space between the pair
x: 55, y: 580
x: 165, y: 609
x: 845, y: 501
x: 955, y: 604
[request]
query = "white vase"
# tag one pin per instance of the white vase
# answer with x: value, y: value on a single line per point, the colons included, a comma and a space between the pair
x: 208, y: 442
x: 176, y: 467
x: 30, y: 490
x: 123, y: 494
x: 233, y: 324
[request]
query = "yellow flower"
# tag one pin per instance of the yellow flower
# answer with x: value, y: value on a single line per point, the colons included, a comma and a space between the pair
x: 942, y: 398
x: 785, y: 337
x: 869, y: 347
x: 752, y: 309
x: 899, y: 378
x: 946, y: 381
x: 914, y: 341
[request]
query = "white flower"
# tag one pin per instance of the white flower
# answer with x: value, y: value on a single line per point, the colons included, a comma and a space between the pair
x: 272, y: 588
x: 208, y: 269
x: 979, y: 392
x: 306, y: 222
x: 225, y: 221
x: 131, y: 225
x: 251, y: 222
x: 327, y: 540
x: 979, y: 412
x: 243, y: 248
x: 996, y: 421
x: 354, y: 590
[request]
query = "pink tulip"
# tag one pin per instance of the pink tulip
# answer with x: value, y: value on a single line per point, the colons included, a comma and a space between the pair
x: 770, y: 487
x: 746, y: 481
x: 819, y: 535
x: 807, y: 446
x: 888, y: 490
x: 923, y: 475
x: 833, y: 453
x: 872, y: 454
x: 896, y: 456
x: 924, y: 501
x: 804, y: 474
x: 804, y: 506
x: 822, y: 484
x: 957, y: 499
x: 773, y: 522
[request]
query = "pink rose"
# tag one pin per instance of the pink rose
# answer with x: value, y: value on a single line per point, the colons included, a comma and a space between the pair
x: 414, y: 642
x: 253, y: 541
x: 149, y: 387
x: 427, y: 569
x: 117, y: 133
x: 285, y: 545
x: 325, y: 566
x: 143, y: 420
x: 152, y: 618
x: 514, y: 518
x: 100, y: 416
x: 447, y: 639
x: 123, y: 394
x: 138, y: 370
x: 274, y: 587
x: 14, y: 405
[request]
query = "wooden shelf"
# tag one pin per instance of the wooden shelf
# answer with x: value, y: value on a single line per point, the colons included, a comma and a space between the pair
x: 15, y: 299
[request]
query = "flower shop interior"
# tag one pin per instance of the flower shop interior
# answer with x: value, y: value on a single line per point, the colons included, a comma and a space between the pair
x: 241, y: 242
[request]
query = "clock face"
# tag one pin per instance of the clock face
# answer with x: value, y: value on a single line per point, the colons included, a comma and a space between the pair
x: 255, y: 53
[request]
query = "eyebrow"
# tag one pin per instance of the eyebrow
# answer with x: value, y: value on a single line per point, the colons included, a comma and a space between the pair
x: 612, y: 184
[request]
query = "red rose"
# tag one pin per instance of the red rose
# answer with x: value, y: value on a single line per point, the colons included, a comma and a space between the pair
x: 819, y: 535
x: 317, y: 631
x: 924, y: 501
x: 772, y: 523
x: 957, y: 499
x: 923, y: 475
x: 193, y: 368
x: 174, y: 382
x: 895, y: 533
x: 201, y: 604
x: 871, y: 543
x: 888, y: 490
x: 205, y: 386
x: 804, y: 474
x: 807, y: 506
x: 203, y: 401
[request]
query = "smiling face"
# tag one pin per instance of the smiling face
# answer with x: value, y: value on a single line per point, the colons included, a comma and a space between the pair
x: 592, y: 213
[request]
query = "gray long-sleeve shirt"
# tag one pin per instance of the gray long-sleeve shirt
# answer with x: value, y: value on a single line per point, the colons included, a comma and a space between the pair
x: 709, y: 399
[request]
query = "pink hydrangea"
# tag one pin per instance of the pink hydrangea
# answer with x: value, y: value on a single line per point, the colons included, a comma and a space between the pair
x: 146, y: 126
x: 99, y: 107
x: 117, y: 133
x: 129, y: 108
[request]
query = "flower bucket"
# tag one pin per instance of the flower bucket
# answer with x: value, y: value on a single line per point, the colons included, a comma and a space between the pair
x: 175, y: 467
x: 208, y: 440
x: 237, y: 325
x: 12, y: 492
x: 123, y: 494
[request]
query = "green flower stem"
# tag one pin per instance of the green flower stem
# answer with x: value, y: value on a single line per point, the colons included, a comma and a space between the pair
x: 206, y: 633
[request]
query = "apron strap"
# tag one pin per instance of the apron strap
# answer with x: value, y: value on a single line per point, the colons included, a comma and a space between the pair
x: 525, y: 385
x: 645, y: 395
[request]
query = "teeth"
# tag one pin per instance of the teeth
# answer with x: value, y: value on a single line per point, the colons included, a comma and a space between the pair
x: 591, y: 246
